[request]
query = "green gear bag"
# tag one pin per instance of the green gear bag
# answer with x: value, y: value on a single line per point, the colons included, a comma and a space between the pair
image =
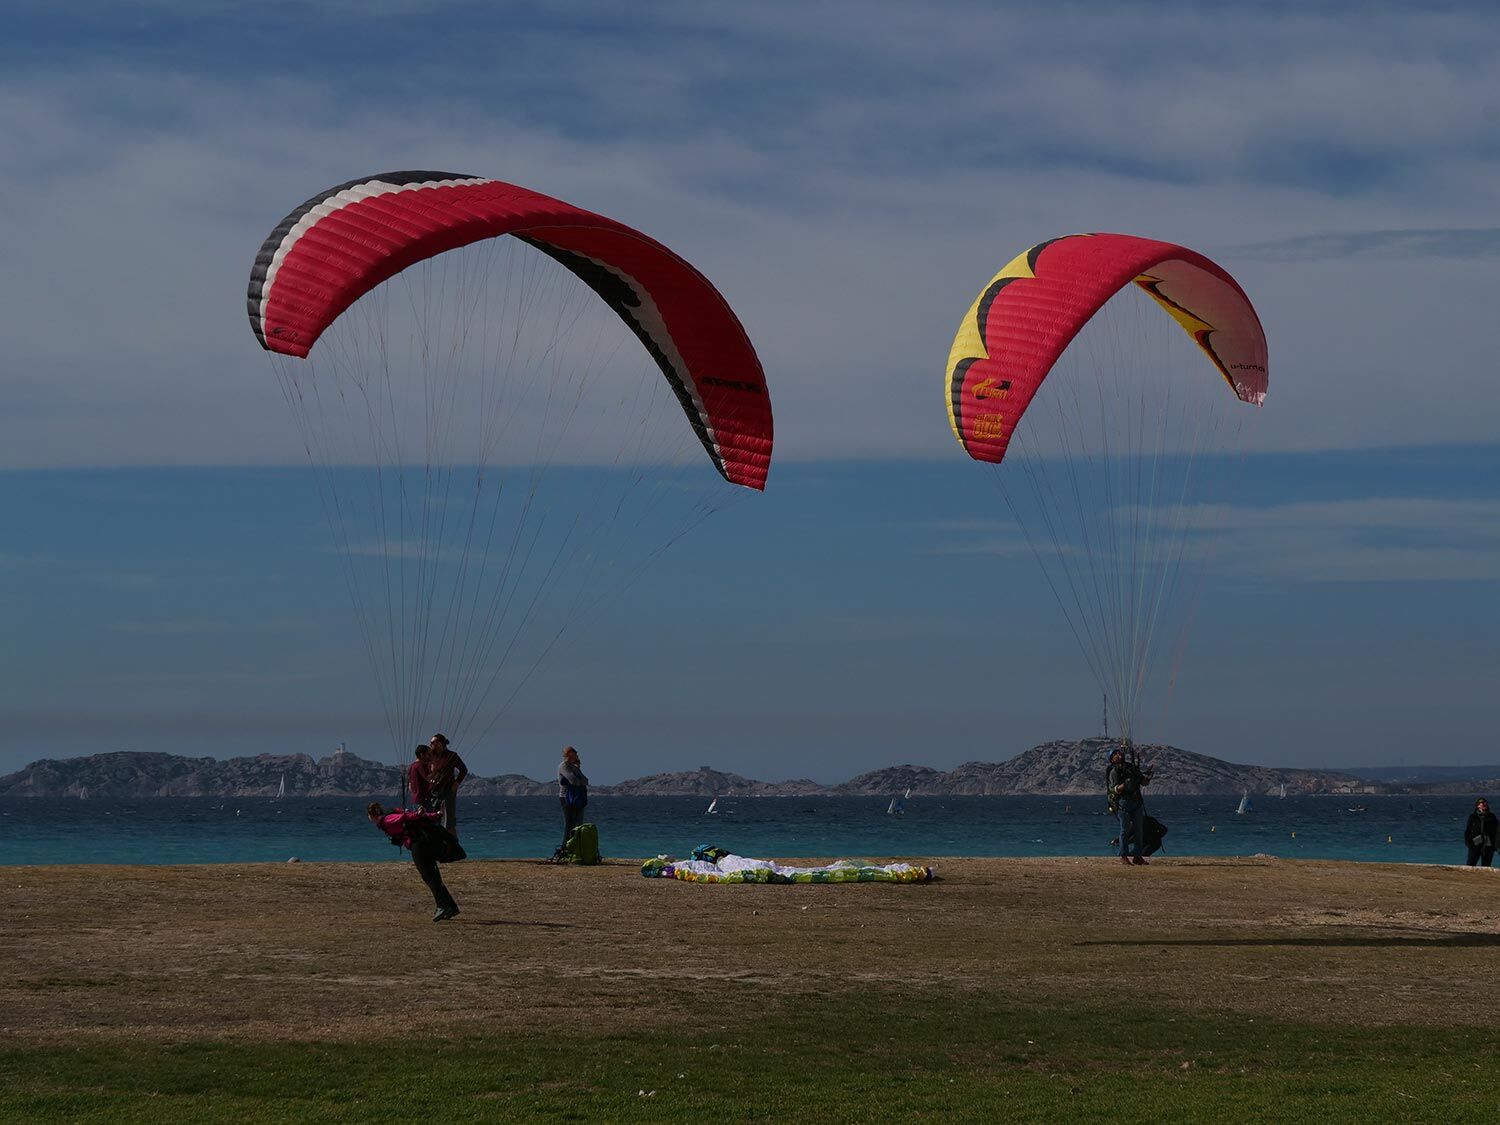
x: 582, y: 845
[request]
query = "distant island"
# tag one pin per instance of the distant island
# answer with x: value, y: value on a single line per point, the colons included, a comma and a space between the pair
x: 1064, y: 769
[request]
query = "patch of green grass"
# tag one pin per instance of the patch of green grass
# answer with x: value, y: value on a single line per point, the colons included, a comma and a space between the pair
x: 878, y: 1055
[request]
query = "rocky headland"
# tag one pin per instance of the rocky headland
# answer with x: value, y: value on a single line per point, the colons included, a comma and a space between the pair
x: 1059, y: 768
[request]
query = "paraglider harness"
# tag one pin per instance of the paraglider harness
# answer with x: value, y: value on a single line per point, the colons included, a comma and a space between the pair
x: 1132, y: 763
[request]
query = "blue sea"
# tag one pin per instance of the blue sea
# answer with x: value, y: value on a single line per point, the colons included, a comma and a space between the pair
x: 260, y: 829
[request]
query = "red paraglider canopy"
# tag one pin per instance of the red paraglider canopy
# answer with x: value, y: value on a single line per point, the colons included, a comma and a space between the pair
x: 343, y: 242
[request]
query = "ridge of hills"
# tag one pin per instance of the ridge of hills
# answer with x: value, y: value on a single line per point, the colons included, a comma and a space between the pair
x: 1060, y: 768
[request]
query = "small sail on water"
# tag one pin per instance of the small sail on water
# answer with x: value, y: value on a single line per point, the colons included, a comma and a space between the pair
x: 281, y: 788
x: 1244, y: 805
x: 83, y: 792
x: 713, y: 806
x: 896, y: 808
x: 1283, y: 791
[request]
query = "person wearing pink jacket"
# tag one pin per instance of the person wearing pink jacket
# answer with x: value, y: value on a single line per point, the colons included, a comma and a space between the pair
x: 429, y: 843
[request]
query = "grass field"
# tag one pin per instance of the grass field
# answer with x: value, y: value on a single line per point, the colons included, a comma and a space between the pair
x: 1010, y: 990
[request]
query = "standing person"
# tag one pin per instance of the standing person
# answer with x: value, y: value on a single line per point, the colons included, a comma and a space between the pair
x: 446, y: 772
x: 572, y: 792
x: 429, y: 845
x: 1123, y: 781
x: 417, y: 781
x: 1480, y: 834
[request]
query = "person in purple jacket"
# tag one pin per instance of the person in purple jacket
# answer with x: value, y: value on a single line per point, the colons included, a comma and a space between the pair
x: 418, y: 784
x: 429, y: 843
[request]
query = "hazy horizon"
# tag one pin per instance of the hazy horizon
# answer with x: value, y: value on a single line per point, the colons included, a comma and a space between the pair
x: 195, y: 626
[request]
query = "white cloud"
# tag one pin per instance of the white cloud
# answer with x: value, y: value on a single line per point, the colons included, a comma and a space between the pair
x: 127, y: 580
x: 171, y: 628
x: 19, y: 560
x: 197, y: 626
x: 848, y: 178
x: 1365, y: 540
x: 1473, y: 242
x: 284, y: 625
x: 1375, y: 539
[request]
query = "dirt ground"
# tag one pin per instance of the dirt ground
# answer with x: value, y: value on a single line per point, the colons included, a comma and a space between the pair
x: 335, y: 950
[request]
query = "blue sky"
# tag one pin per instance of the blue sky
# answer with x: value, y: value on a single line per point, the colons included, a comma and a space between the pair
x: 848, y: 175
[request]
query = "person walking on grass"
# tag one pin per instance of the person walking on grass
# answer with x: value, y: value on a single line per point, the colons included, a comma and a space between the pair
x: 1480, y: 834
x: 429, y: 843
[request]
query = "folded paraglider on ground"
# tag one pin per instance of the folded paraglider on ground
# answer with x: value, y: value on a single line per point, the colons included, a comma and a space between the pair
x: 709, y: 864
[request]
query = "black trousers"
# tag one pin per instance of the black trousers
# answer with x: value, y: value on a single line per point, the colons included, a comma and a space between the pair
x: 1480, y: 857
x: 448, y: 806
x: 572, y: 816
x: 427, y: 867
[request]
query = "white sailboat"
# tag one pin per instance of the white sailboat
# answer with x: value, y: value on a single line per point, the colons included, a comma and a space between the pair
x: 1244, y: 804
x: 713, y: 806
x: 1283, y: 791
x: 83, y: 792
x: 281, y: 788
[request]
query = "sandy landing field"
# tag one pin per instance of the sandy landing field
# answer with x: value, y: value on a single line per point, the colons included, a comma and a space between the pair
x: 328, y: 951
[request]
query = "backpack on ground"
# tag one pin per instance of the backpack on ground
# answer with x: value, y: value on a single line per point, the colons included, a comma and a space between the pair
x: 1152, y: 833
x: 582, y: 846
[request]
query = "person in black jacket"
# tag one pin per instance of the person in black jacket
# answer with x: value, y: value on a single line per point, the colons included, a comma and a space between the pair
x: 1480, y: 834
x: 1123, y: 781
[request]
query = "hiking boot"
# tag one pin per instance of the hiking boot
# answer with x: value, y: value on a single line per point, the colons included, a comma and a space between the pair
x: 1125, y: 859
x: 442, y: 914
x: 1141, y: 861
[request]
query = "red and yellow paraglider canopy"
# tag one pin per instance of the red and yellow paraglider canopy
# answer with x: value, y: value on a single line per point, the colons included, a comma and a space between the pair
x: 1032, y: 309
